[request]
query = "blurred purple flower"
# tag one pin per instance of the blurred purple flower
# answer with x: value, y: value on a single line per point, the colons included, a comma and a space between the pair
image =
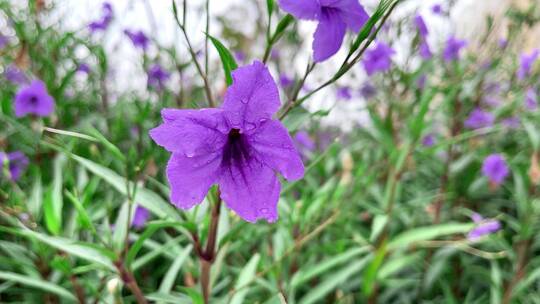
x: 14, y: 75
x: 140, y: 217
x: 285, y: 81
x: 531, y: 99
x: 436, y: 9
x: 512, y: 122
x: 495, y: 168
x: 106, y: 17
x: 428, y: 140
x: 83, y: 68
x: 492, y: 88
x: 4, y: 41
x: 425, y: 51
x: 274, y: 54
x: 303, y: 141
x: 34, y: 99
x: 378, y: 59
x: 240, y: 56
x: 483, y: 227
x: 492, y: 101
x: 368, y: 90
x: 421, y: 81
x: 238, y: 146
x: 344, y: 93
x: 503, y: 43
x: 421, y: 26
x: 479, y: 118
x: 526, y: 63
x: 157, y: 77
x: 138, y: 38
x: 16, y: 164
x: 334, y: 17
x: 453, y: 48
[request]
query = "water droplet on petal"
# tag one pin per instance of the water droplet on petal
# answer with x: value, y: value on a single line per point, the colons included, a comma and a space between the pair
x: 249, y: 126
x: 262, y: 120
x: 189, y: 154
x: 244, y: 100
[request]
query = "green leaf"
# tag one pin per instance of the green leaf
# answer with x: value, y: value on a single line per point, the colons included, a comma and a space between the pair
x: 168, y: 281
x: 38, y: 284
x: 84, y: 219
x: 35, y: 201
x: 427, y: 233
x: 53, y: 198
x: 227, y: 60
x: 121, y: 226
x: 246, y: 275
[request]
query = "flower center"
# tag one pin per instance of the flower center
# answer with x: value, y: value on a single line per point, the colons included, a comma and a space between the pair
x: 33, y: 100
x: 236, y: 149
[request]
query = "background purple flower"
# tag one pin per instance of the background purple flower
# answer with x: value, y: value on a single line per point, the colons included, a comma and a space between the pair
x: 238, y: 146
x: 483, y: 227
x: 495, y: 168
x: 453, y: 48
x: 531, y: 100
x: 4, y: 41
x: 304, y: 143
x: 421, y: 81
x: 285, y: 81
x: 34, y: 99
x: 526, y: 63
x: 14, y: 75
x: 479, y: 118
x: 106, y: 17
x: 344, y: 93
x: 421, y: 26
x: 436, y: 9
x: 368, y: 90
x: 140, y: 217
x: 512, y: 122
x: 16, y: 164
x: 138, y: 38
x: 334, y: 17
x: 425, y: 51
x: 378, y: 59
x: 157, y: 77
x: 83, y: 68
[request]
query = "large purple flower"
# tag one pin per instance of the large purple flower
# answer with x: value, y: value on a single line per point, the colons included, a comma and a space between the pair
x: 16, y: 164
x: 526, y: 63
x: 479, y: 119
x: 34, y: 99
x: 334, y: 17
x: 237, y: 146
x: 138, y: 38
x: 378, y: 59
x: 453, y: 48
x: 483, y: 227
x: 495, y: 168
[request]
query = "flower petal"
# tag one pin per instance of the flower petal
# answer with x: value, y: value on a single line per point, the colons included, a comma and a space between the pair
x: 191, y: 132
x: 251, y: 190
x: 301, y: 9
x: 252, y: 98
x: 350, y: 11
x: 191, y: 177
x: 274, y: 148
x: 329, y: 35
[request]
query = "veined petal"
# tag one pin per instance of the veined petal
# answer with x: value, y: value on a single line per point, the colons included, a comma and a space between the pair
x: 191, y: 132
x: 301, y: 9
x: 274, y: 147
x: 252, y: 98
x: 350, y: 11
x: 191, y: 177
x: 329, y: 35
x: 251, y: 189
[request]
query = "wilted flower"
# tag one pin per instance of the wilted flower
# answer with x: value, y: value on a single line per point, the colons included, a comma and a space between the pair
x: 378, y: 59
x: 344, y: 93
x: 334, y: 17
x: 106, y: 18
x: 368, y: 90
x: 526, y: 63
x: 15, y: 75
x: 16, y: 164
x: 428, y: 140
x: 34, y: 99
x: 479, y: 119
x: 138, y: 38
x: 140, y: 217
x: 453, y: 48
x: 531, y: 100
x: 157, y: 77
x: 495, y: 168
x: 421, y: 26
x: 237, y: 146
x: 285, y: 81
x: 483, y: 227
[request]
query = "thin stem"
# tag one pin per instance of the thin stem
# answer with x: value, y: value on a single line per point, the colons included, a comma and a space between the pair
x: 206, y: 37
x: 208, y: 256
x: 131, y: 283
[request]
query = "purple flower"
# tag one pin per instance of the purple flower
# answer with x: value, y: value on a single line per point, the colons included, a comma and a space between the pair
x: 4, y: 41
x: 106, y: 17
x: 240, y: 56
x: 512, y: 122
x: 425, y: 51
x: 368, y: 90
x: 157, y: 77
x: 421, y: 81
x: 483, y: 227
x: 495, y: 168
x: 34, y: 99
x: 526, y: 63
x: 303, y: 141
x: 344, y: 93
x: 138, y: 38
x: 285, y: 81
x: 531, y: 100
x: 453, y: 48
x: 16, y: 164
x: 15, y: 75
x: 492, y: 101
x: 378, y: 59
x: 503, y: 43
x: 83, y: 68
x: 436, y: 9
x: 140, y: 217
x: 479, y: 119
x: 334, y: 17
x: 421, y: 26
x: 237, y: 146
x: 428, y: 140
